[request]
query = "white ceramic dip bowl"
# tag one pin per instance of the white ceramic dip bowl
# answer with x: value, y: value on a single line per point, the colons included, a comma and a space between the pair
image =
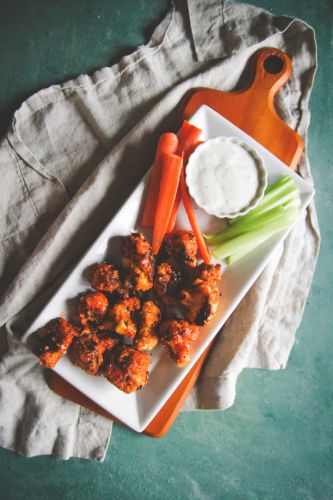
x: 226, y: 177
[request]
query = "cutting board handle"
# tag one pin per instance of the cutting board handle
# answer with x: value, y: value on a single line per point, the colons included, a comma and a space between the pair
x: 252, y: 109
x: 273, y: 69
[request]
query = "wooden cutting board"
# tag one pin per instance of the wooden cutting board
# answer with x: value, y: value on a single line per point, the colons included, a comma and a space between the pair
x: 253, y: 111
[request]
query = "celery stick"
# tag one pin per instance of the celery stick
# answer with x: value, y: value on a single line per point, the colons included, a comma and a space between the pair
x: 285, y: 179
x: 283, y: 185
x: 209, y: 237
x: 276, y: 212
x: 278, y: 194
x: 252, y: 245
x: 244, y: 226
x: 264, y: 206
x: 287, y: 200
x: 235, y: 245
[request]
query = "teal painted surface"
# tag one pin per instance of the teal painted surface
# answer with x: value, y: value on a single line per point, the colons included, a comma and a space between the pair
x: 277, y: 441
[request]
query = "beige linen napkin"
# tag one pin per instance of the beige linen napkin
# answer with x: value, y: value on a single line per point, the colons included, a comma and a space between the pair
x: 72, y: 155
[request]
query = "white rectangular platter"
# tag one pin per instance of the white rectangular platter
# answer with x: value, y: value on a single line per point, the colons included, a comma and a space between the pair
x: 136, y: 410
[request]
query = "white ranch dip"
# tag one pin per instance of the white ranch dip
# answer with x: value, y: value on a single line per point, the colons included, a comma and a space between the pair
x: 225, y: 177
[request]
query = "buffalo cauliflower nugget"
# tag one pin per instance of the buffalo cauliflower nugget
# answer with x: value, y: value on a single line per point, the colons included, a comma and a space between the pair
x: 149, y: 317
x: 92, y: 307
x: 201, y: 299
x: 207, y: 272
x: 52, y: 341
x: 182, y: 246
x: 138, y: 261
x: 122, y: 318
x: 128, y: 369
x: 106, y: 278
x: 201, y: 302
x: 87, y: 351
x: 178, y: 336
x: 167, y: 283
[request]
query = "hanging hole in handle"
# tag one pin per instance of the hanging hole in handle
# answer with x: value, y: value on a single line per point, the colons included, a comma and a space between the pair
x: 273, y: 64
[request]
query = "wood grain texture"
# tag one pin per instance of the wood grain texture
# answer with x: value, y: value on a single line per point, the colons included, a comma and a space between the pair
x: 253, y: 111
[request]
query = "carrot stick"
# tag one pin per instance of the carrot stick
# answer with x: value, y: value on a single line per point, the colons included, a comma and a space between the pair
x: 170, y: 175
x: 168, y: 143
x: 188, y: 135
x: 191, y: 150
x: 173, y: 216
x: 175, y: 208
x: 186, y: 199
